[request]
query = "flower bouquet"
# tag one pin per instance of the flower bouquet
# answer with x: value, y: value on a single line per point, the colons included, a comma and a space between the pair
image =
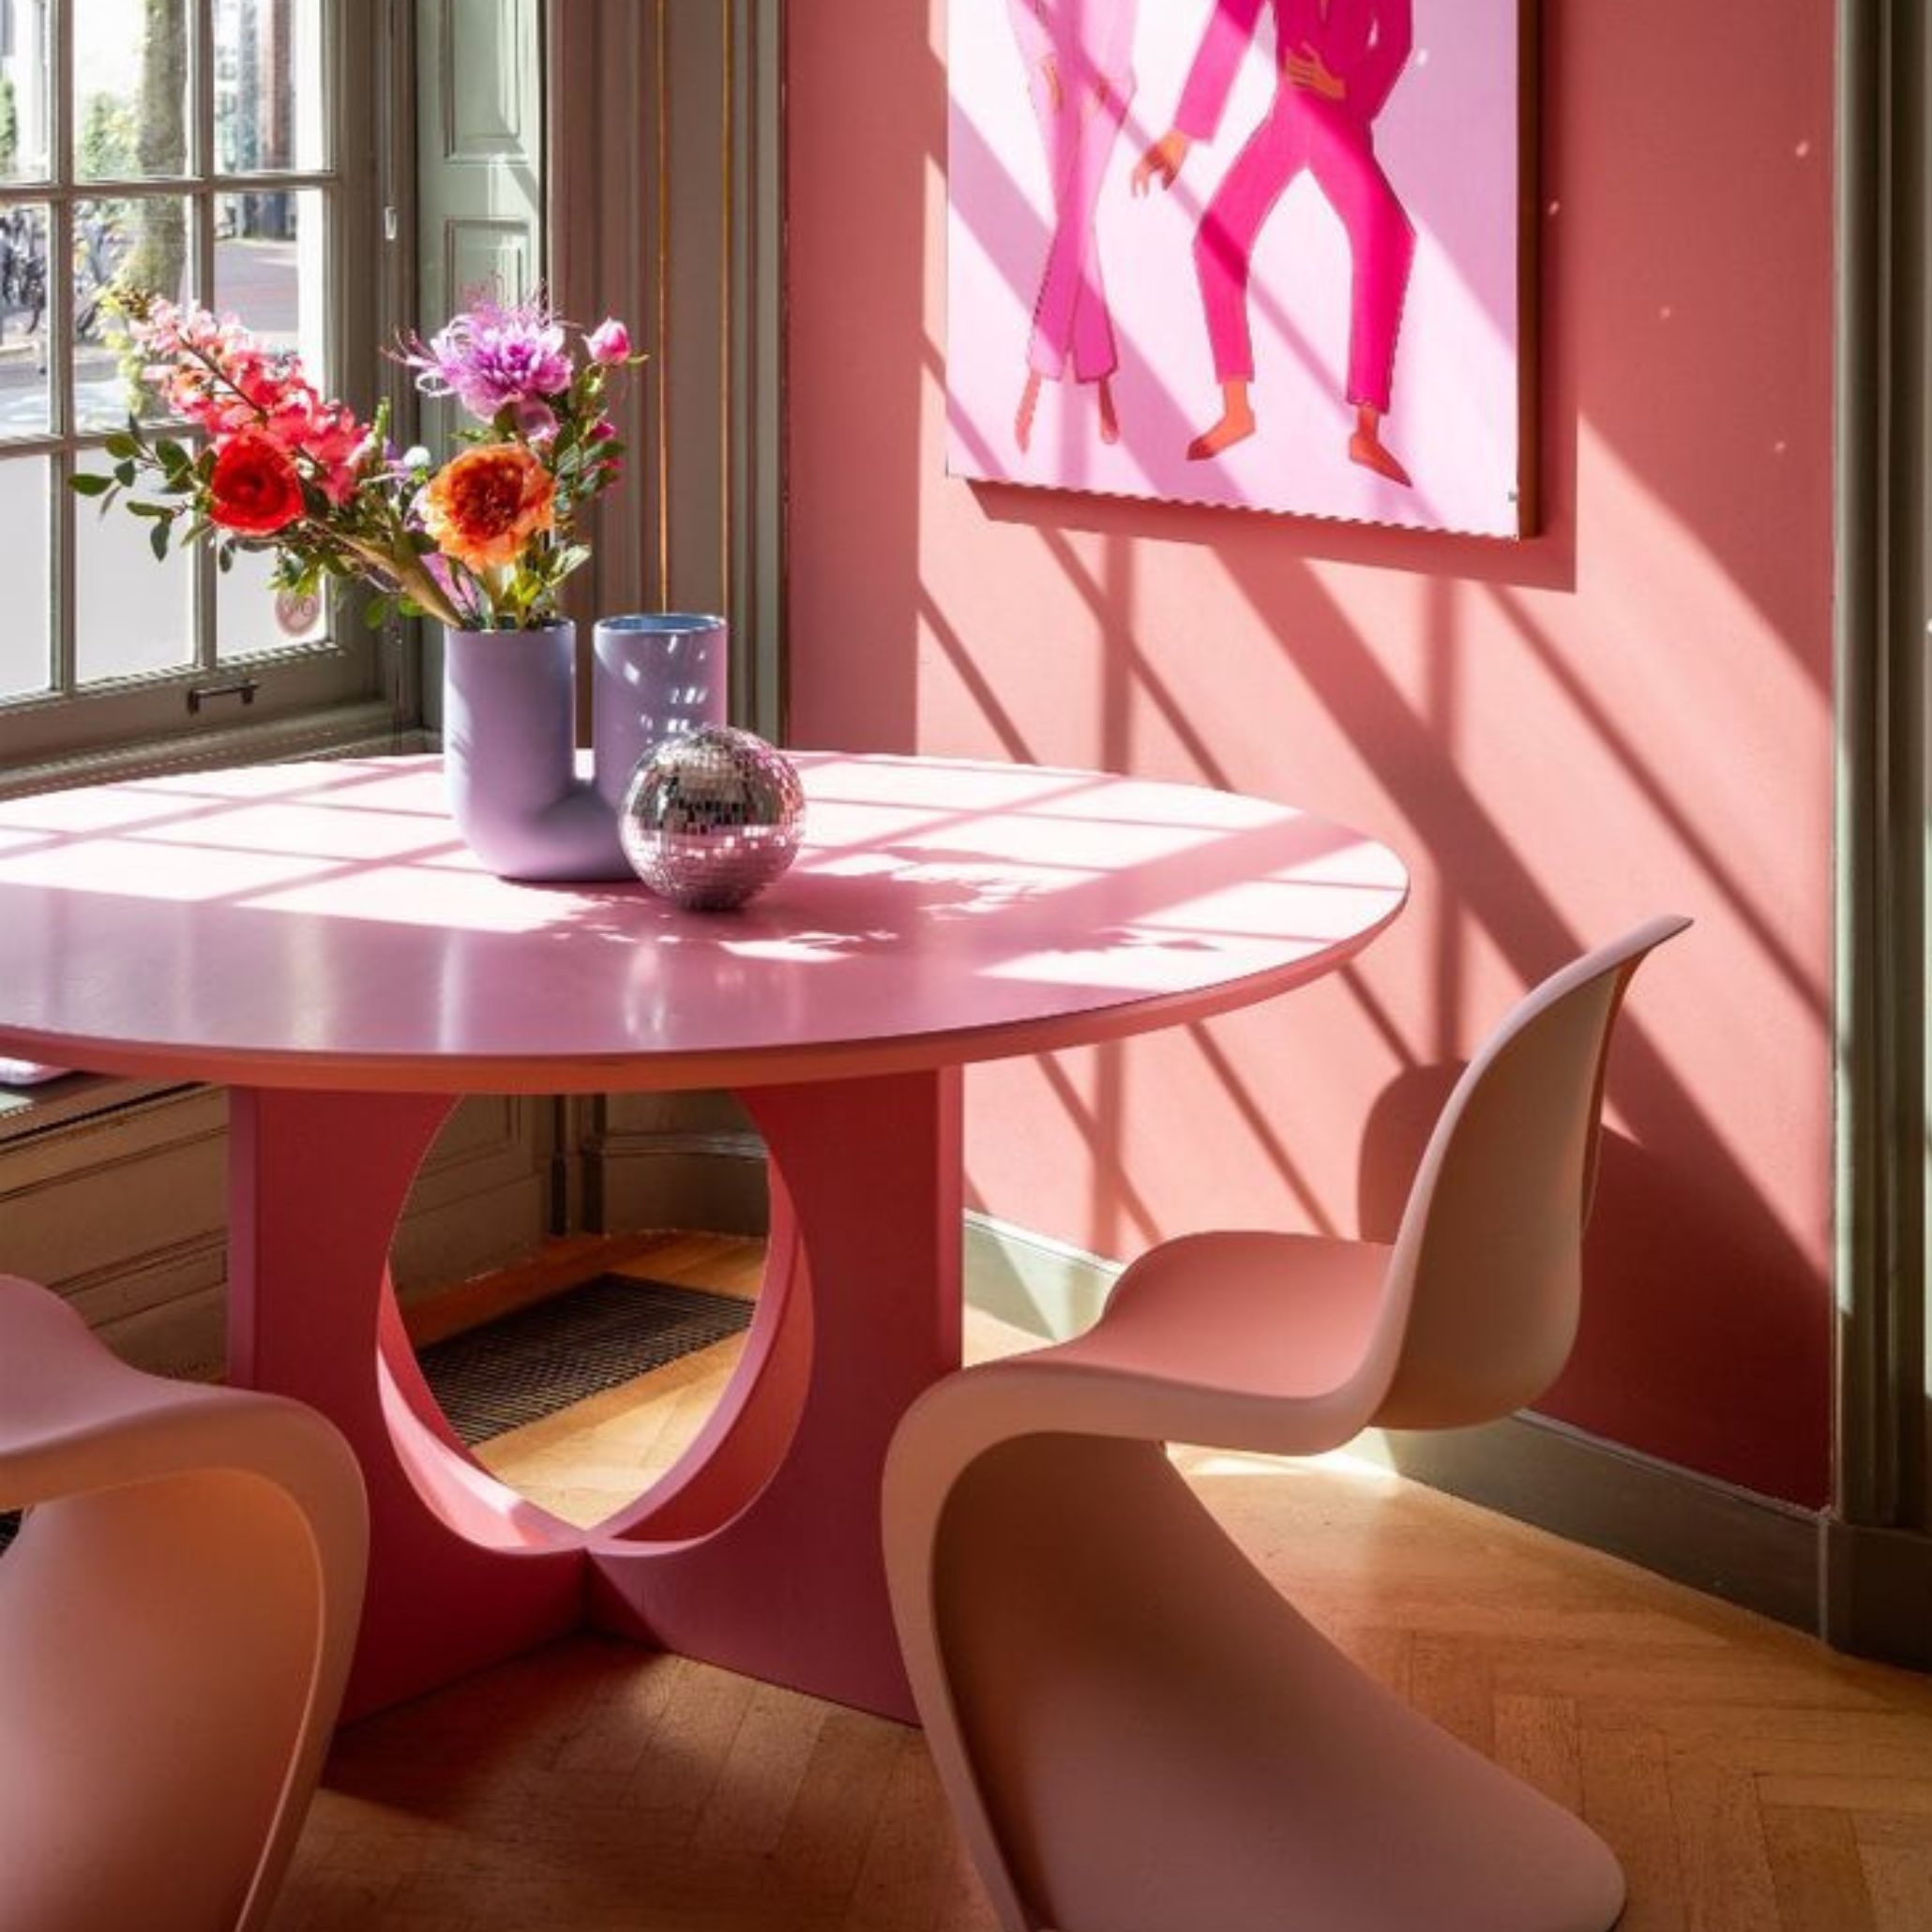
x: 482, y: 542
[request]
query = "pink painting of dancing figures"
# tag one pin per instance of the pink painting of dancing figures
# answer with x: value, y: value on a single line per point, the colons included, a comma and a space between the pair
x: 1262, y: 253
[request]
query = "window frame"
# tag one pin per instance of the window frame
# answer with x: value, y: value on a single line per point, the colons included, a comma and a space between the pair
x: 351, y: 690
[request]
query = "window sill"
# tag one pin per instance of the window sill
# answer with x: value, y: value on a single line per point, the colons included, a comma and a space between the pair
x: 342, y: 731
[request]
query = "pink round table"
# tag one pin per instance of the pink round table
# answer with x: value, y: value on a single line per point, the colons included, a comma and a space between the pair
x: 317, y: 937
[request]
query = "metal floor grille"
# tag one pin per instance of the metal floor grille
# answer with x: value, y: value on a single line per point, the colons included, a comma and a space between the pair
x: 605, y: 1332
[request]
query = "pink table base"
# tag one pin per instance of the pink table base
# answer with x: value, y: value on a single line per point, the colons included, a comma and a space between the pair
x: 317, y: 937
x: 759, y: 1552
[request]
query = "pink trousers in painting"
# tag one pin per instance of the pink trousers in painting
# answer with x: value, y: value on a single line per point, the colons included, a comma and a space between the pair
x: 1071, y: 323
x: 1303, y: 131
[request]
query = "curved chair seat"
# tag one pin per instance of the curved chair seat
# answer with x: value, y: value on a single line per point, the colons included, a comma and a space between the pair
x: 1249, y: 1314
x: 177, y: 1618
x: 1137, y: 1733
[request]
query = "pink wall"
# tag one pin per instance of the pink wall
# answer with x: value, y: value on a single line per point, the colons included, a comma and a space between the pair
x: 1629, y: 714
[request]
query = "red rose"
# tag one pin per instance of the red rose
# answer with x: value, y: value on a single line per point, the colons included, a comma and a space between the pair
x: 254, y: 487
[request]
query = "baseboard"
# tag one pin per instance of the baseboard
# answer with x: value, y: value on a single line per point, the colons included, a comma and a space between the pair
x: 1034, y: 1282
x: 1730, y: 1543
x: 1749, y: 1549
x: 656, y: 1178
x: 1878, y: 1593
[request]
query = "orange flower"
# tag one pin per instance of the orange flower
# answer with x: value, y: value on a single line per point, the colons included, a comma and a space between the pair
x: 485, y: 505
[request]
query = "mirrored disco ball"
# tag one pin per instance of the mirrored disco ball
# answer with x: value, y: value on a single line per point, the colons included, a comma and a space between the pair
x: 711, y: 818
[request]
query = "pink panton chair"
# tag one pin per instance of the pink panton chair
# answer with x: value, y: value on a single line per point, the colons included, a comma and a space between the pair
x: 1137, y: 1732
x: 176, y: 1617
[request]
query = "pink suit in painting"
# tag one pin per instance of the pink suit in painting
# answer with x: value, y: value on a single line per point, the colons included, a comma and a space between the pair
x: 1336, y: 63
x: 1079, y: 66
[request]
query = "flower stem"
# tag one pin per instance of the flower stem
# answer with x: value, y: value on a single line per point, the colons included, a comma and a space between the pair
x: 411, y: 577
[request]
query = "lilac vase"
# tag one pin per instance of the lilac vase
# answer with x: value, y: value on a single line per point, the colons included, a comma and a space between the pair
x: 653, y: 676
x: 510, y: 757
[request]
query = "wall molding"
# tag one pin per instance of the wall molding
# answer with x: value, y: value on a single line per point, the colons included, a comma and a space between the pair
x: 666, y: 155
x: 1752, y: 1550
x: 1878, y: 1593
x: 1880, y: 1541
x: 1046, y: 1287
x: 648, y: 1177
x: 123, y: 1209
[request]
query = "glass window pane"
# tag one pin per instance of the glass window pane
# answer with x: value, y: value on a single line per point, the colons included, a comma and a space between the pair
x: 250, y: 616
x: 271, y: 269
x: 269, y: 68
x: 131, y: 74
x: 25, y: 66
x: 26, y: 651
x: 131, y: 613
x: 147, y: 241
x: 23, y: 391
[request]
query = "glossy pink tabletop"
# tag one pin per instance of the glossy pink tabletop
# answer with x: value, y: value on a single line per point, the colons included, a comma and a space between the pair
x: 322, y: 925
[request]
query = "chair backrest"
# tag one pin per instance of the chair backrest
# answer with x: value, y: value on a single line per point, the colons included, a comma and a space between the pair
x: 1489, y: 1259
x: 176, y: 1620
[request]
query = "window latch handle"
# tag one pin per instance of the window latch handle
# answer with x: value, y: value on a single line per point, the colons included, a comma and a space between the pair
x: 242, y: 687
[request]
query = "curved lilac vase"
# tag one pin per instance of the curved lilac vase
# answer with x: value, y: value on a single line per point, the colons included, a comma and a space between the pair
x: 509, y: 760
x: 510, y: 733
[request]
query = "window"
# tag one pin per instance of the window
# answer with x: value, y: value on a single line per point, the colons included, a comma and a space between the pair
x: 212, y: 149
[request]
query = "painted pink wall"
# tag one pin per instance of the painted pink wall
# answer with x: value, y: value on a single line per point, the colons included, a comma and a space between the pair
x: 1629, y: 714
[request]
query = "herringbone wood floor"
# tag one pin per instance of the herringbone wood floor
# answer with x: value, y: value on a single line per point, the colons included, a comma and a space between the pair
x: 1749, y: 1780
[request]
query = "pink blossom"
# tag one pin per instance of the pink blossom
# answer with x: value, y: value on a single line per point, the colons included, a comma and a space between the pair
x: 535, y: 422
x: 491, y: 356
x: 609, y: 341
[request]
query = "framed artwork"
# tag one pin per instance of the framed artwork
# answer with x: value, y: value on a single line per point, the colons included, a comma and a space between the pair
x: 1270, y: 255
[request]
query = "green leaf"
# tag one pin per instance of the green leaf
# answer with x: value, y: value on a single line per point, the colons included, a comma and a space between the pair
x: 86, y: 485
x: 157, y: 540
x: 151, y: 509
x: 123, y: 474
x: 224, y: 558
x: 171, y: 455
x: 119, y: 445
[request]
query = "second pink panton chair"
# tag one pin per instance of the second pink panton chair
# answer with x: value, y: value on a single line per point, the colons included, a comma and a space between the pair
x: 1137, y: 1732
x: 176, y: 1620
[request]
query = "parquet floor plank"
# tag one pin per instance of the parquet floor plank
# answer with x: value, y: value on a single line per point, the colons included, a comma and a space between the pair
x: 1626, y: 1799
x: 1896, y: 1857
x: 829, y: 1829
x: 1727, y: 1885
x: 1816, y: 1867
x: 1538, y: 1739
